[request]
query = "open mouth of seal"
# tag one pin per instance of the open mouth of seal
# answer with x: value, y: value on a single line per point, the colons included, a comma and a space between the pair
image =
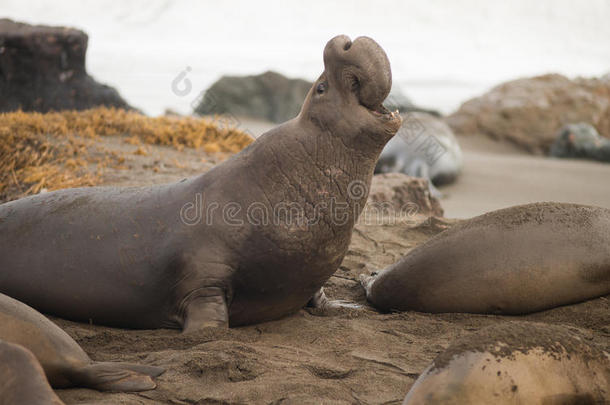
x: 382, y: 112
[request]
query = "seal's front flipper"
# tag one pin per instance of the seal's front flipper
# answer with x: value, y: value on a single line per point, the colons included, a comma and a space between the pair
x: 208, y: 309
x: 367, y: 283
x: 111, y: 377
x: 321, y: 302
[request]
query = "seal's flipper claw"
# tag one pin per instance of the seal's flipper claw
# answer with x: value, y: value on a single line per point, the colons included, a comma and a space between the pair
x: 367, y: 282
x: 343, y: 304
x: 112, y: 377
x: 320, y: 301
x: 206, y: 310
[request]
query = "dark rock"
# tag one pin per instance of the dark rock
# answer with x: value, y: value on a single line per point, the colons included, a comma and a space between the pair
x: 529, y: 112
x: 43, y: 68
x: 269, y: 96
x: 274, y: 97
x: 397, y: 100
x: 581, y: 141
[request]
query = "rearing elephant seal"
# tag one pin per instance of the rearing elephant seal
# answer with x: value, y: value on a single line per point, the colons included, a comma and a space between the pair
x: 64, y: 362
x: 512, y: 261
x: 516, y: 363
x: 251, y: 240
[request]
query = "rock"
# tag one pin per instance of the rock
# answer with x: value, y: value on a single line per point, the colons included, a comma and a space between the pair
x: 274, y: 97
x: 397, y: 100
x: 529, y: 112
x: 403, y: 195
x: 423, y: 147
x: 270, y: 96
x: 43, y: 68
x: 580, y: 141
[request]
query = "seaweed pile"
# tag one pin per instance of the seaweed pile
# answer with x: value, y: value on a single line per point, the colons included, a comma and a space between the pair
x: 50, y: 151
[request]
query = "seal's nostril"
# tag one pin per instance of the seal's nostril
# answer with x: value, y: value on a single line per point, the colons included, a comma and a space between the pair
x: 347, y: 45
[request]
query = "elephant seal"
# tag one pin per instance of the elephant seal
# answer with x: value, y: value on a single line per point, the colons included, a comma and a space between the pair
x: 253, y: 239
x: 580, y: 141
x: 424, y: 147
x: 63, y: 360
x: 512, y: 261
x: 22, y: 380
x: 516, y: 363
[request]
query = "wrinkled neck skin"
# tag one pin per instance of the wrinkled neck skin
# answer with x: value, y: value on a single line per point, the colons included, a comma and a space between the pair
x: 315, y: 163
x: 298, y: 165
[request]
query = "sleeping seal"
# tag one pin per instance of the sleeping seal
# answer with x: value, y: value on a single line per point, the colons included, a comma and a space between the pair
x: 22, y: 380
x: 253, y: 239
x: 64, y: 362
x: 512, y: 261
x: 424, y: 147
x: 516, y: 363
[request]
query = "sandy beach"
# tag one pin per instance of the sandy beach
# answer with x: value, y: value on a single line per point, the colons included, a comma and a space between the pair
x: 358, y: 356
x: 168, y: 61
x: 497, y: 176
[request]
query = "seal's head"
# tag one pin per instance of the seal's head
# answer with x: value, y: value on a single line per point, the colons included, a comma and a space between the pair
x: 347, y: 98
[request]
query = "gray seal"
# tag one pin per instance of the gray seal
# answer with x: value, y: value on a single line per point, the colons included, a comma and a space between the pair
x: 424, y: 147
x: 512, y: 261
x: 253, y: 239
x: 580, y: 141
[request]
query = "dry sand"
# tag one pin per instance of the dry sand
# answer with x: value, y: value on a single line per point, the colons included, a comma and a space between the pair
x: 352, y: 356
x: 497, y: 176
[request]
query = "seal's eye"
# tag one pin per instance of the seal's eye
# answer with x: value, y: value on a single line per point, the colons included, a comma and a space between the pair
x: 321, y: 88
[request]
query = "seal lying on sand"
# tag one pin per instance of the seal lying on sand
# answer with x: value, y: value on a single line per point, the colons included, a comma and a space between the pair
x: 251, y: 240
x: 581, y: 141
x: 511, y: 261
x: 424, y: 147
x: 22, y: 380
x: 516, y: 363
x: 64, y: 362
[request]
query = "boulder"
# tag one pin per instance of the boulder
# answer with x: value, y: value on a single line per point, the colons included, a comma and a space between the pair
x: 397, y: 100
x: 401, y: 195
x: 581, y: 141
x: 43, y: 68
x: 529, y: 112
x: 269, y: 96
x: 273, y: 97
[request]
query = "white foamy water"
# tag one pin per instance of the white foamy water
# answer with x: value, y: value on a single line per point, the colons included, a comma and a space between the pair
x: 442, y: 52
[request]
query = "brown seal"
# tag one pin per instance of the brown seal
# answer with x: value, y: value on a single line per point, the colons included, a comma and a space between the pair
x: 63, y: 360
x: 22, y: 380
x: 511, y: 261
x: 254, y: 239
x: 516, y: 363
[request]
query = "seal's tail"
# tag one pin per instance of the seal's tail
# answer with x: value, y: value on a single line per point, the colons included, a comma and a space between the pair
x: 120, y: 377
